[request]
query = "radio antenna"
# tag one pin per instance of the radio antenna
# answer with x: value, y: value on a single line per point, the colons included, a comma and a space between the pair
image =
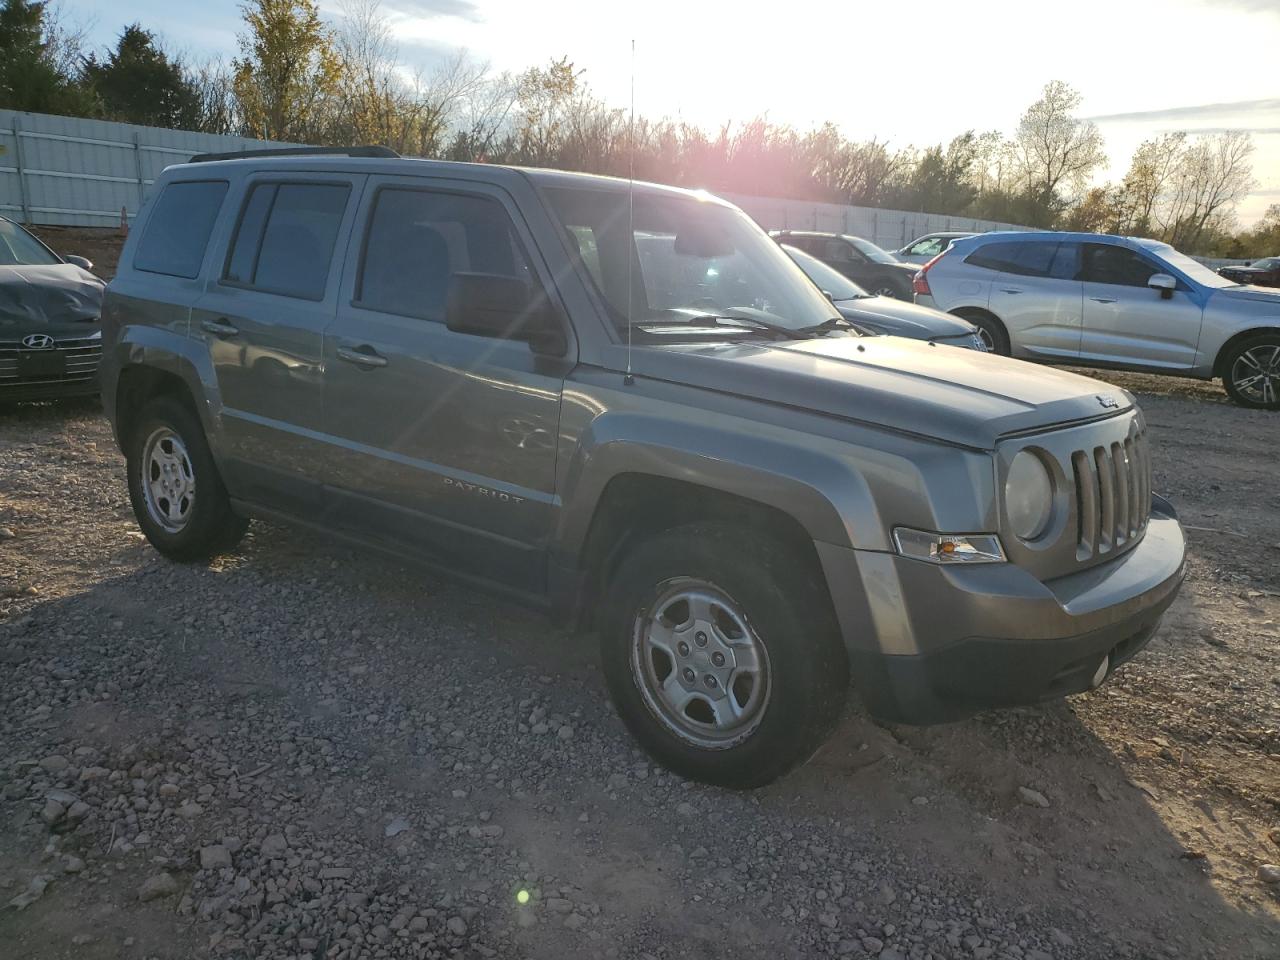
x: 631, y: 209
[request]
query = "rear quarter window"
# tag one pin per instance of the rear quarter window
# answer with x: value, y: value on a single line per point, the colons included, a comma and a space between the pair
x: 177, y: 232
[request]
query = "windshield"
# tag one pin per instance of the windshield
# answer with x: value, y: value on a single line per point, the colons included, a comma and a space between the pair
x: 1194, y: 269
x: 687, y: 258
x: 19, y: 248
x: 871, y: 251
x: 831, y: 282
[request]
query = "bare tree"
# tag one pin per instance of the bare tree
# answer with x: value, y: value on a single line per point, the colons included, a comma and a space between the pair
x: 1056, y: 149
x: 1151, y: 171
x: 1212, y: 176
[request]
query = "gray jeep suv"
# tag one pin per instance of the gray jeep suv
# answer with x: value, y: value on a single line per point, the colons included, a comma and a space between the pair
x: 626, y: 405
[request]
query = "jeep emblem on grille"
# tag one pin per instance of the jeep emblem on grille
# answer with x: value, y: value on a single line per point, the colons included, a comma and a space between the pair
x: 1109, y: 403
x: 37, y: 341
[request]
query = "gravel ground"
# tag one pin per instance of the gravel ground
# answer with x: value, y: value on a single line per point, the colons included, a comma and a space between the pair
x: 302, y: 751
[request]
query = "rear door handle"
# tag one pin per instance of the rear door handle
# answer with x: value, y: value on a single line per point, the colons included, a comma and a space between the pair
x: 362, y: 356
x: 220, y: 327
x: 1103, y: 299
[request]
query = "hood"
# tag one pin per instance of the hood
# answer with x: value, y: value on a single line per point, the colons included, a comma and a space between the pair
x: 958, y: 396
x: 1267, y: 295
x: 902, y: 318
x: 910, y: 268
x: 35, y: 298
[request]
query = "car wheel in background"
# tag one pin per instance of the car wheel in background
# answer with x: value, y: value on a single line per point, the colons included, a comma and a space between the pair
x: 884, y: 287
x: 990, y: 330
x: 722, y: 655
x: 176, y: 491
x: 1251, y: 372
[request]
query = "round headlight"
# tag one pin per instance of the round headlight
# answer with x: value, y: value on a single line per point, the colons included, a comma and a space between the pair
x: 1028, y: 496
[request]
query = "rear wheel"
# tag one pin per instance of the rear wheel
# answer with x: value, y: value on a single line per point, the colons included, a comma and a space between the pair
x: 177, y: 495
x: 886, y: 287
x: 722, y: 655
x: 1251, y: 372
x: 990, y: 331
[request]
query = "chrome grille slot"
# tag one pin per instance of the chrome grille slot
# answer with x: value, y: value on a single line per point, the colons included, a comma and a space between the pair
x: 83, y: 354
x: 1112, y: 494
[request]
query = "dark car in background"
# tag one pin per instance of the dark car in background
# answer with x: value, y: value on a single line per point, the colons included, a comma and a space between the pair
x: 876, y: 271
x: 1260, y: 273
x: 50, y: 311
x: 885, y: 316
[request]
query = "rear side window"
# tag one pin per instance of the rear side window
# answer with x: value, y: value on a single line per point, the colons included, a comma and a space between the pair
x: 285, y: 239
x: 178, y: 230
x: 418, y: 239
x: 1036, y: 258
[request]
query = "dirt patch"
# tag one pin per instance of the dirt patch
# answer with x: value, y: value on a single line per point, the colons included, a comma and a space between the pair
x: 100, y: 245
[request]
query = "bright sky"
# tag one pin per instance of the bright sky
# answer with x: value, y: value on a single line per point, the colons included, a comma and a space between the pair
x: 917, y: 73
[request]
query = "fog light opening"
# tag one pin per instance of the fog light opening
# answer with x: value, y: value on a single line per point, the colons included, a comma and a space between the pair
x: 1100, y: 674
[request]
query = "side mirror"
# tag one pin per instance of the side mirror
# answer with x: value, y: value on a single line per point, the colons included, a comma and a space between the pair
x: 84, y: 263
x: 1164, y: 283
x: 493, y: 305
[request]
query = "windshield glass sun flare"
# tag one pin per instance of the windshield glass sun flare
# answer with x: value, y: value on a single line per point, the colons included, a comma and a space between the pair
x: 688, y: 260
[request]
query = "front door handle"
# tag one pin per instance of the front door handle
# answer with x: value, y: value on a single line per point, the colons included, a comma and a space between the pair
x: 1103, y: 299
x: 362, y: 356
x: 220, y: 327
x: 1010, y: 290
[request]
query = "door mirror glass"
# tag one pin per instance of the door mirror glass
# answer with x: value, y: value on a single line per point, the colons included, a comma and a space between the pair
x: 493, y: 305
x: 1164, y: 283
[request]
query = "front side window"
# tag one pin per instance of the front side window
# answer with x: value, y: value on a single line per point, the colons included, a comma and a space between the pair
x: 686, y: 259
x: 285, y: 239
x: 418, y: 239
x: 178, y: 230
x: 19, y: 248
x: 1120, y: 266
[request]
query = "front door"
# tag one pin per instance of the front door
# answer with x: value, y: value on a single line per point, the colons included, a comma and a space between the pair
x: 1127, y: 322
x: 263, y: 323
x: 442, y: 442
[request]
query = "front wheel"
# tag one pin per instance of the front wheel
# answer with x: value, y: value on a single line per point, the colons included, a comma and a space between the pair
x: 887, y: 288
x: 722, y: 655
x: 174, y: 486
x: 1251, y: 373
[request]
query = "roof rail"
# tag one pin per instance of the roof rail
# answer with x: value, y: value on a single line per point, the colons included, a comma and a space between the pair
x: 362, y: 151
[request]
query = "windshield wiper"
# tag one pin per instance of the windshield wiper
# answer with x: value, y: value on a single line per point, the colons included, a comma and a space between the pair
x: 725, y: 320
x: 835, y: 323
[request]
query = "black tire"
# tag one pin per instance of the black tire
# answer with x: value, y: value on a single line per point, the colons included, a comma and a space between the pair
x: 787, y: 609
x: 991, y: 330
x: 1241, y: 362
x: 210, y: 527
x: 891, y: 287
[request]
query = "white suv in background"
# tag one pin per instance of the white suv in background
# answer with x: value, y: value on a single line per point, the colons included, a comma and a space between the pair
x: 1105, y: 301
x: 923, y: 249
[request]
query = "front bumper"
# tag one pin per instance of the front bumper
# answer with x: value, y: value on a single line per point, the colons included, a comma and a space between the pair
x: 928, y: 643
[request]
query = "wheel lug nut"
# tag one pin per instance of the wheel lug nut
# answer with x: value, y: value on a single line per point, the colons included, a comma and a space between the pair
x: 718, y: 658
x: 682, y: 648
x: 700, y: 638
x: 710, y: 681
x: 688, y: 675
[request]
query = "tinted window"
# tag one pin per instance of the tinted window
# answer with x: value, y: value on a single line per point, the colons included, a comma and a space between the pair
x: 178, y: 230
x: 417, y: 240
x: 1106, y: 263
x: 1035, y: 258
x: 285, y: 239
x: 17, y: 247
x: 838, y: 251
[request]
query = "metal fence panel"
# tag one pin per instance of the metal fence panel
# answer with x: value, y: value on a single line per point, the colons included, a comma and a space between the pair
x: 78, y: 172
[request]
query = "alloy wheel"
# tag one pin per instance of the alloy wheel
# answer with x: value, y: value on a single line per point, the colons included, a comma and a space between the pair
x: 702, y: 670
x: 168, y: 480
x: 1256, y: 374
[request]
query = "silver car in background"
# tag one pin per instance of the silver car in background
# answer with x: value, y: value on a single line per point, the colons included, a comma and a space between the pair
x: 923, y: 249
x: 1106, y: 301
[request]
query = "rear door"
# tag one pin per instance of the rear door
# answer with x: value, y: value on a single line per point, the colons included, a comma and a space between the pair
x: 263, y: 322
x: 443, y: 442
x: 1127, y: 322
x: 1037, y: 294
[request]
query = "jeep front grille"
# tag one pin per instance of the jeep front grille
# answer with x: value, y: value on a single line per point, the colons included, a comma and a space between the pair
x: 1113, y: 494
